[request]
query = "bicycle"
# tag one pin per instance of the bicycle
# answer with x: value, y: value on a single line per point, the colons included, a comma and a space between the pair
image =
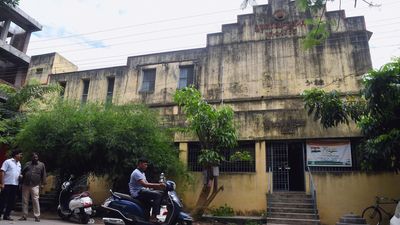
x: 373, y: 214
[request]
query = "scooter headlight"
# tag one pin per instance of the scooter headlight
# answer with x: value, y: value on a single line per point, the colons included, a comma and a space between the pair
x: 65, y: 185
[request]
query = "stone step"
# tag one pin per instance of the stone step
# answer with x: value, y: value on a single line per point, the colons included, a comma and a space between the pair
x: 290, y: 205
x: 289, y: 200
x: 293, y: 221
x: 289, y: 193
x: 292, y: 210
x: 292, y: 215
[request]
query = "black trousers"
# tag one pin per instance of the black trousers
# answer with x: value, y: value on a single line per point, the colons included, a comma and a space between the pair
x: 151, y: 197
x: 7, y: 199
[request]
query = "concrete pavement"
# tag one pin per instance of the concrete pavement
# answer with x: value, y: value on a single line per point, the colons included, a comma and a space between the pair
x: 46, y: 219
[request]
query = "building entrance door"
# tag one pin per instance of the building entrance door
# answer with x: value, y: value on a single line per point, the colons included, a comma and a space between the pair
x: 287, y: 166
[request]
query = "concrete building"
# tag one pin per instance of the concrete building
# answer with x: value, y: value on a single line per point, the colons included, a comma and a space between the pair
x: 16, y: 28
x: 259, y: 68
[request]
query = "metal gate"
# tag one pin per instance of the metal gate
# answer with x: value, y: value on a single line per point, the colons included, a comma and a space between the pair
x: 280, y: 166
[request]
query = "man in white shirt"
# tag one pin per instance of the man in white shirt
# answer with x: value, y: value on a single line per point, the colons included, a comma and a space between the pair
x: 10, y: 173
x: 142, y: 190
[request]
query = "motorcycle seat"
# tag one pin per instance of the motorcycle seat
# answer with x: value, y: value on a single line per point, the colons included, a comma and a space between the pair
x: 127, y: 197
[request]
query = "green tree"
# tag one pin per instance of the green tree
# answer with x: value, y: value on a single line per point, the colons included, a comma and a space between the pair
x: 9, y: 2
x: 214, y: 127
x: 376, y: 112
x: 91, y: 138
x: 19, y: 102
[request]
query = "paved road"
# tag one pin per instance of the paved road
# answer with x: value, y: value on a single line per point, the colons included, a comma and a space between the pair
x: 46, y: 219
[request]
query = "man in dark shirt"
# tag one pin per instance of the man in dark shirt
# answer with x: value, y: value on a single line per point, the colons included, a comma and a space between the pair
x: 34, y: 178
x: 140, y: 188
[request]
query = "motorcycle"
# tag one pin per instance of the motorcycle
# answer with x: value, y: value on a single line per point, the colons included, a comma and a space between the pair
x: 122, y: 209
x: 74, y: 204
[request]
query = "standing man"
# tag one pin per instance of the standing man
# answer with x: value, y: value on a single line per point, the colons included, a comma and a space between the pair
x: 34, y: 178
x: 139, y: 188
x: 10, y: 173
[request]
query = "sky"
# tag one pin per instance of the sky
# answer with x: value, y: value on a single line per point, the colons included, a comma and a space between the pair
x: 103, y: 33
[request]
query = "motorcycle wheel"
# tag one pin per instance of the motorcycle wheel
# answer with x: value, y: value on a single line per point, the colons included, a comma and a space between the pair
x: 84, y: 218
x: 61, y: 215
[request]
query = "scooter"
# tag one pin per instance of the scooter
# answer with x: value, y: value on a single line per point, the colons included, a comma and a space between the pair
x: 122, y: 209
x: 76, y: 205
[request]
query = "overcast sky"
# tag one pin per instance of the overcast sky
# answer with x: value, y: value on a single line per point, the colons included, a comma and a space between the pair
x: 103, y: 33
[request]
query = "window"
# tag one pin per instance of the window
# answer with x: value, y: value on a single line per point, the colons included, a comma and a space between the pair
x: 39, y: 70
x: 85, y: 92
x: 149, y: 79
x: 185, y: 76
x: 110, y: 89
x: 236, y: 166
x: 63, y: 85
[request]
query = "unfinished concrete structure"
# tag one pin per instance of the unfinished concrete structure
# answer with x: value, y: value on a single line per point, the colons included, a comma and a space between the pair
x: 258, y: 67
x: 16, y: 28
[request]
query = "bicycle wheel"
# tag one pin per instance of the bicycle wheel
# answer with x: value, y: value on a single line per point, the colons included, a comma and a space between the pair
x: 372, y: 215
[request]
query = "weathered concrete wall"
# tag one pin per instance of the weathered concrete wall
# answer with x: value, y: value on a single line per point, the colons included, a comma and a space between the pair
x: 41, y: 66
x: 97, y: 85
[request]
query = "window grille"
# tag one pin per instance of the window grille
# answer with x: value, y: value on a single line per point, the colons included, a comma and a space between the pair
x: 85, y: 92
x: 149, y: 79
x: 185, y: 76
x: 63, y: 85
x: 110, y: 89
x: 226, y: 166
x: 39, y: 70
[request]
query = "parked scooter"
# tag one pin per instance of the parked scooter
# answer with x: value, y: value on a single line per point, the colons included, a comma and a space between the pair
x: 72, y: 204
x: 122, y: 209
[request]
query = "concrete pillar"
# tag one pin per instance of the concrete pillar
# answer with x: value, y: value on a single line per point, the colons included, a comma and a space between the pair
x: 260, y: 157
x: 4, y: 30
x: 183, y: 152
x: 26, y: 42
x: 20, y: 77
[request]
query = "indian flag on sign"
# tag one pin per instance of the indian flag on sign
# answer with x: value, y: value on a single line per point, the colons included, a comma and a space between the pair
x: 329, y: 153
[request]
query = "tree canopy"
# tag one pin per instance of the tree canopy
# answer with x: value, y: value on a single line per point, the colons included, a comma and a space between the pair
x: 91, y: 138
x: 214, y: 127
x: 376, y: 112
x: 19, y: 102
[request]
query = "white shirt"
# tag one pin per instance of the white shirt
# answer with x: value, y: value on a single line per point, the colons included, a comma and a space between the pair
x: 12, y: 170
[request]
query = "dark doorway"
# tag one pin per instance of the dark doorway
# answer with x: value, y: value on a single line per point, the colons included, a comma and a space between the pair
x: 286, y: 160
x: 296, y: 163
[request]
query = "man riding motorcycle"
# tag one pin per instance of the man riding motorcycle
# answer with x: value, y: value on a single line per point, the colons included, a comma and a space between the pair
x: 139, y: 188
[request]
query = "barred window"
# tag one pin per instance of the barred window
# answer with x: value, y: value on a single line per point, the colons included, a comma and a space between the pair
x: 85, y: 92
x: 149, y: 80
x: 63, y: 85
x: 226, y: 166
x: 186, y: 77
x: 110, y: 89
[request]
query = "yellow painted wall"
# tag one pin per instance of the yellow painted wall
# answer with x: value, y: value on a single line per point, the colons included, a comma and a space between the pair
x: 342, y: 193
x: 244, y: 192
